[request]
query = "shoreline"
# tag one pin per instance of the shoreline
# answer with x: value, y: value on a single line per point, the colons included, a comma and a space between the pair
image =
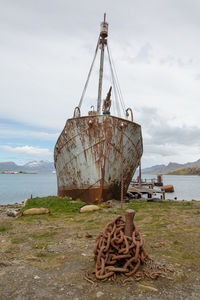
x: 19, y: 173
x: 21, y: 204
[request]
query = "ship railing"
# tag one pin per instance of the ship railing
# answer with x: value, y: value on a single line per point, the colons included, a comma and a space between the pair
x: 127, y: 113
x: 77, y: 112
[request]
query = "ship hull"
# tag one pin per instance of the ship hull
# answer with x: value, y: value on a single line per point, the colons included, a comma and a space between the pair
x: 91, y: 153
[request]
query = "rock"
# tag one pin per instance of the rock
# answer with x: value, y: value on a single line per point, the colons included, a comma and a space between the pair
x: 25, y: 202
x: 12, y: 213
x: 154, y: 200
x: 33, y: 258
x: 2, y: 273
x: 80, y: 287
x: 4, y: 263
x: 147, y: 288
x: 87, y: 208
x: 99, y: 294
x: 107, y: 204
x: 88, y: 235
x: 36, y: 211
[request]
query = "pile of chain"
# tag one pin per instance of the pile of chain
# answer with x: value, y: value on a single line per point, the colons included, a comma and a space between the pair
x: 117, y: 253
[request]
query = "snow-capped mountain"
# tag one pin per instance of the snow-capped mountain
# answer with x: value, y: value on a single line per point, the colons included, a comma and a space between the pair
x: 33, y: 166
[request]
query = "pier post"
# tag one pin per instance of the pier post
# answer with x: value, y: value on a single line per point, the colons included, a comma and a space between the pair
x: 140, y: 174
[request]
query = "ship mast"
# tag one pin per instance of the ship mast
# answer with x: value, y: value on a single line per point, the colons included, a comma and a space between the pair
x: 102, y: 44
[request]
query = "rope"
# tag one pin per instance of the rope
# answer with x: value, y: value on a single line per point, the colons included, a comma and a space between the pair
x: 88, y: 77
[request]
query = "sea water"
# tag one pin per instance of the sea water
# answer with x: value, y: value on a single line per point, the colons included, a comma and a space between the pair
x: 186, y: 187
x: 17, y: 187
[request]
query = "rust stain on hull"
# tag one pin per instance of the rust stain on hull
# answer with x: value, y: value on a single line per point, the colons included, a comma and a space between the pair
x: 88, y: 156
x: 92, y: 195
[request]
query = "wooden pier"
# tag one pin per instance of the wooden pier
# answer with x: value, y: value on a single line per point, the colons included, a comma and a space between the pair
x: 142, y: 187
x: 141, y: 190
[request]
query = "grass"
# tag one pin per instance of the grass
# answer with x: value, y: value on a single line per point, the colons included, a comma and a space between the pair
x: 5, y: 226
x: 171, y: 230
x: 41, y: 254
x: 42, y: 236
x: 17, y: 240
x: 186, y: 171
x: 55, y: 204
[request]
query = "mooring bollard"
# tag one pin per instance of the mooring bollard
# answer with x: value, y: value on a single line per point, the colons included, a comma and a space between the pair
x: 129, y: 227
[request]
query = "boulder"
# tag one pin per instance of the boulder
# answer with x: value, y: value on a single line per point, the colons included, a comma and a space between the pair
x: 87, y: 208
x: 13, y: 213
x: 36, y: 211
x: 25, y: 202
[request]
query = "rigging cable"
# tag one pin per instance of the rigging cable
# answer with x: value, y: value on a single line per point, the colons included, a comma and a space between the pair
x: 114, y: 85
x: 90, y: 71
x: 116, y: 81
x: 118, y: 86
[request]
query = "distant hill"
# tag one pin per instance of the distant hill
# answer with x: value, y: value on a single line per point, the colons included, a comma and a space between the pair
x: 33, y: 166
x: 186, y: 171
x: 170, y: 167
x: 153, y: 168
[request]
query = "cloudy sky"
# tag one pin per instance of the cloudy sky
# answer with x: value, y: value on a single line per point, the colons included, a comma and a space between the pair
x: 46, y: 48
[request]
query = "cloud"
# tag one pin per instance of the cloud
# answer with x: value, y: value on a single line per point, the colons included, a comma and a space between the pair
x: 9, y: 133
x: 162, y: 129
x: 165, y: 140
x: 197, y: 77
x: 28, y: 150
x: 46, y: 51
x: 177, y: 61
x: 144, y: 54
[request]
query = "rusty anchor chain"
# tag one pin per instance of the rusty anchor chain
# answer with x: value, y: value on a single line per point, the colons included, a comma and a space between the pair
x: 119, y: 248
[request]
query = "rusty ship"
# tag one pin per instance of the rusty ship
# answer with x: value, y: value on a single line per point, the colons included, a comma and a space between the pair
x: 96, y: 155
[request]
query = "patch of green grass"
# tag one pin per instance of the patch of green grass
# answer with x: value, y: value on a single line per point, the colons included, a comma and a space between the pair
x: 41, y: 254
x: 90, y: 221
x: 155, y: 218
x: 190, y: 256
x: 116, y: 212
x: 139, y: 218
x: 5, y: 226
x: 167, y: 253
x: 55, y: 204
x: 165, y: 206
x: 42, y: 236
x: 177, y: 243
x: 17, y: 240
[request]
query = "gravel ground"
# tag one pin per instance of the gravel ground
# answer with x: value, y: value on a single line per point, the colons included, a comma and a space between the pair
x: 46, y: 258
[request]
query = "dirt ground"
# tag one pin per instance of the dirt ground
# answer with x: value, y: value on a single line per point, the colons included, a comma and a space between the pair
x: 46, y: 257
